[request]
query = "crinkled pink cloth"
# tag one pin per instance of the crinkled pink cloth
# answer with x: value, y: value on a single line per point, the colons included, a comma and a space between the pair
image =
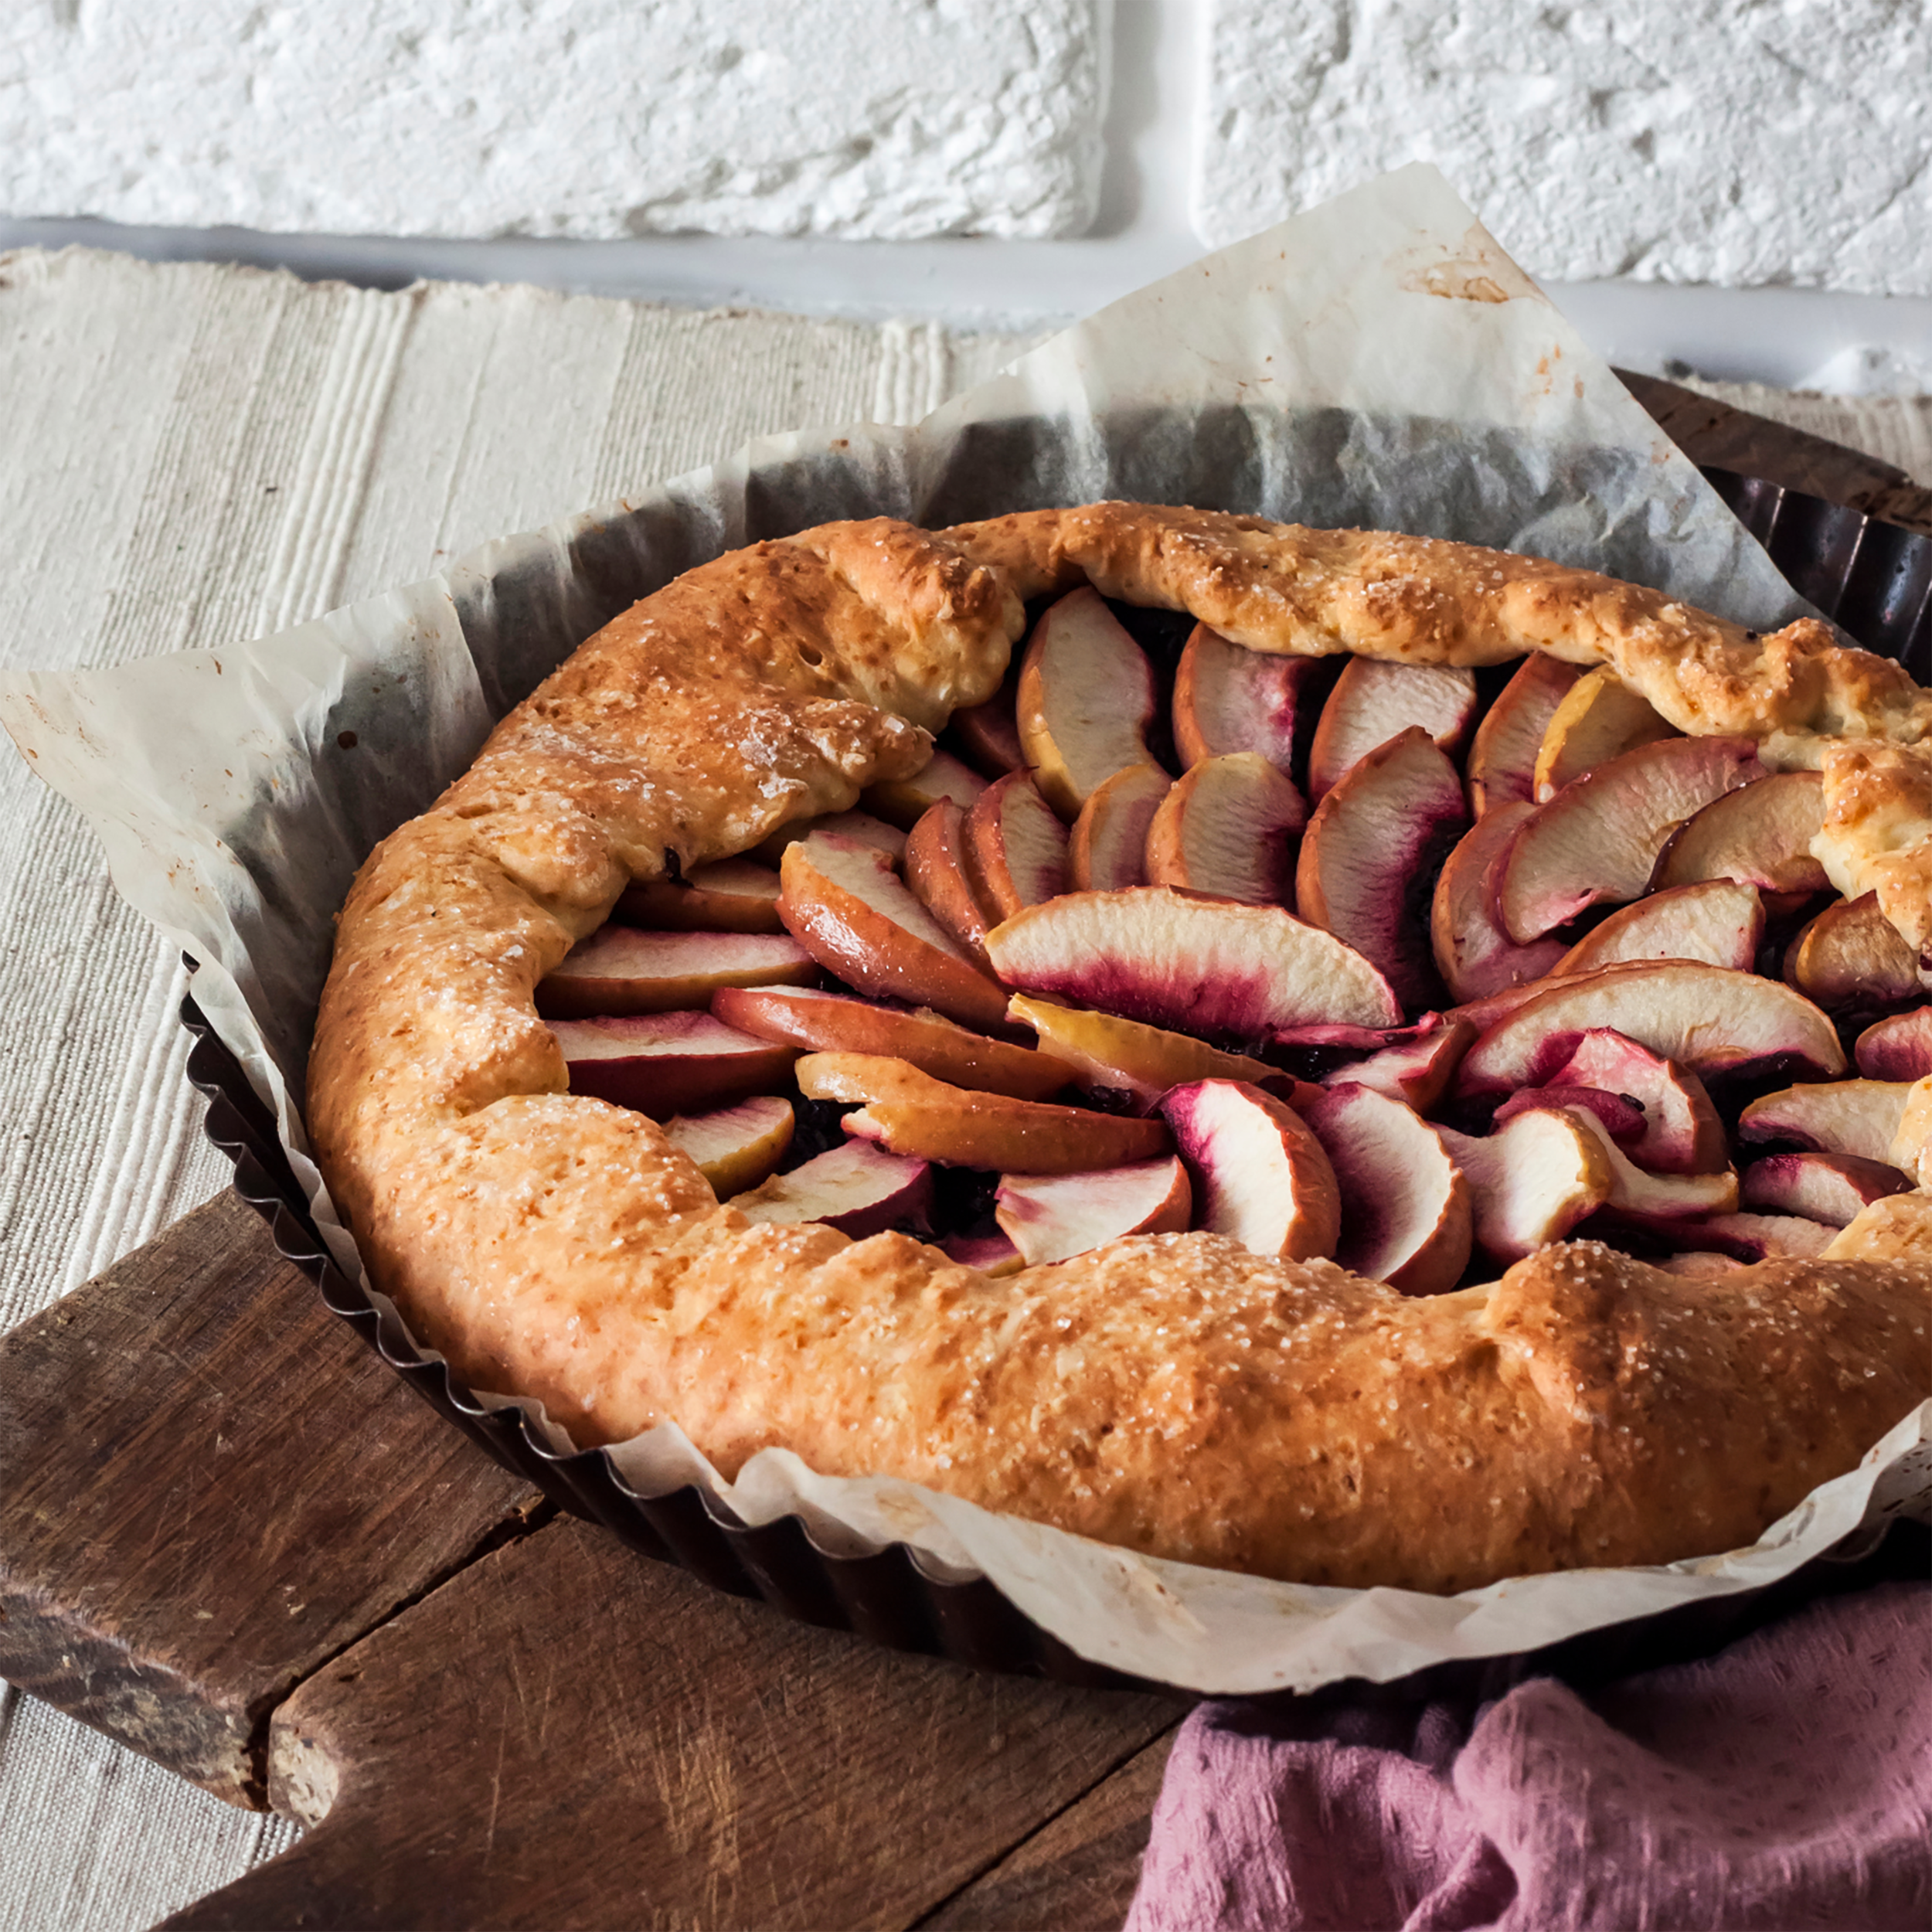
x: 1786, y: 1782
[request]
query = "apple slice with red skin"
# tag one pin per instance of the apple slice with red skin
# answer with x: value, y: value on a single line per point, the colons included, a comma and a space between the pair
x: 1086, y: 699
x: 1897, y: 1049
x: 1714, y: 921
x: 1208, y: 966
x: 1832, y: 1188
x: 1405, y: 1212
x: 904, y: 801
x: 1851, y: 958
x: 1417, y: 1071
x: 937, y: 868
x: 1227, y: 828
x: 1682, y: 1132
x: 1106, y: 850
x: 1760, y: 835
x: 1531, y: 1182
x: 1859, y: 1118
x: 836, y: 1023
x: 861, y: 825
x: 1599, y: 717
x: 1015, y: 847
x: 1501, y: 768
x: 735, y: 1148
x: 1371, y: 851
x: 909, y: 1113
x: 666, y: 1063
x: 620, y: 970
x: 989, y: 733
x: 992, y: 1254
x: 1708, y: 1019
x: 728, y: 896
x: 1052, y: 1217
x: 1636, y: 1190
x: 846, y: 905
x: 858, y: 1189
x: 1742, y: 1237
x: 1227, y: 697
x: 1595, y: 842
x: 1262, y: 1177
x: 1475, y: 957
x: 1622, y: 1118
x: 1373, y: 702
x: 1108, y: 1054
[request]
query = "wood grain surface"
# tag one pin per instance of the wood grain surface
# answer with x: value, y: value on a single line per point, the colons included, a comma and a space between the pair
x: 209, y: 1487
x: 232, y: 1539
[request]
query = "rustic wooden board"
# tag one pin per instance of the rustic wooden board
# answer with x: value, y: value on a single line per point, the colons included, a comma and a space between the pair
x: 231, y: 1539
x: 209, y: 1487
x: 566, y: 1736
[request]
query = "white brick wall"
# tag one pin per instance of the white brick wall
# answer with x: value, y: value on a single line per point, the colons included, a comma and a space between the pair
x: 881, y: 119
x: 1735, y: 142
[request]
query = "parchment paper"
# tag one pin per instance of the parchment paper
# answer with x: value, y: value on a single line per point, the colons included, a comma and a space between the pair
x: 1378, y: 361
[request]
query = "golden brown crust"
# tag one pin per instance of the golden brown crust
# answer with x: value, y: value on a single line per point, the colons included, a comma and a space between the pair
x: 560, y: 1247
x: 1877, y: 833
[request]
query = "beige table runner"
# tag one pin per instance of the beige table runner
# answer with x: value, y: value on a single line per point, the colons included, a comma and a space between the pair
x: 193, y: 455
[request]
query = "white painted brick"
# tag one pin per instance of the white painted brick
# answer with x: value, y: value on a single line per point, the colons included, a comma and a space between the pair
x: 1735, y: 142
x: 890, y: 119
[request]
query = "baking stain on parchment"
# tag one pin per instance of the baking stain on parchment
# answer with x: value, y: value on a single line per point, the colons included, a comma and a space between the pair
x: 1476, y: 271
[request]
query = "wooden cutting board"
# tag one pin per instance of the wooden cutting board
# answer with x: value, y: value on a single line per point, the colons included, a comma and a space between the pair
x: 231, y: 1539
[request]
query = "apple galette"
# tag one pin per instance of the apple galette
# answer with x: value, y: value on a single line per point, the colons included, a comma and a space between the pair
x: 1366, y: 1061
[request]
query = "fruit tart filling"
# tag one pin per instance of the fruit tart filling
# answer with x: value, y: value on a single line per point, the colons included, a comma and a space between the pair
x: 1416, y: 967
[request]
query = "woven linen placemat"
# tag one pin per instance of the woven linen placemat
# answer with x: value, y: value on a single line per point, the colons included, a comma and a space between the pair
x: 199, y: 454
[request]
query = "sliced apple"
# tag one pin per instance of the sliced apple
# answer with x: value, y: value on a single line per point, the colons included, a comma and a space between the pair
x: 992, y: 1254
x: 1682, y: 1133
x: 1201, y: 965
x: 728, y: 896
x: 1106, y: 851
x: 836, y: 1023
x: 1085, y: 700
x: 735, y: 1148
x: 1501, y: 770
x: 1373, y: 702
x: 1598, y: 719
x: 856, y: 1189
x: 1227, y: 828
x: 1851, y: 959
x: 620, y: 970
x: 1695, y: 1265
x: 1405, y: 1212
x: 1897, y: 1049
x: 1051, y: 1217
x: 1634, y: 1190
x: 1229, y: 699
x: 989, y: 733
x: 1015, y: 847
x: 1108, y: 1054
x: 1742, y: 1237
x: 1859, y: 1118
x: 1417, y: 1071
x: 662, y: 1064
x: 1760, y: 835
x: 909, y: 1113
x: 1911, y: 1149
x: 1476, y: 957
x: 904, y: 801
x: 845, y: 904
x: 861, y: 825
x: 937, y: 868
x: 1706, y: 1018
x: 1371, y: 854
x: 1714, y: 921
x: 1834, y: 1188
x: 1622, y: 1118
x: 1531, y: 1182
x: 1595, y: 842
x: 1263, y: 1177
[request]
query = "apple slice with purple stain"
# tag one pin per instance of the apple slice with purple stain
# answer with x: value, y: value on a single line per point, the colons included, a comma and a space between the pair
x: 1715, y: 921
x: 1374, y: 701
x: 1228, y: 827
x: 858, y: 1189
x: 621, y: 970
x: 666, y: 1063
x: 1262, y: 1176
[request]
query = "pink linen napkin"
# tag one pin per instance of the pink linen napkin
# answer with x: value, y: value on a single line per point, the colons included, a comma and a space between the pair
x: 1784, y: 1783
